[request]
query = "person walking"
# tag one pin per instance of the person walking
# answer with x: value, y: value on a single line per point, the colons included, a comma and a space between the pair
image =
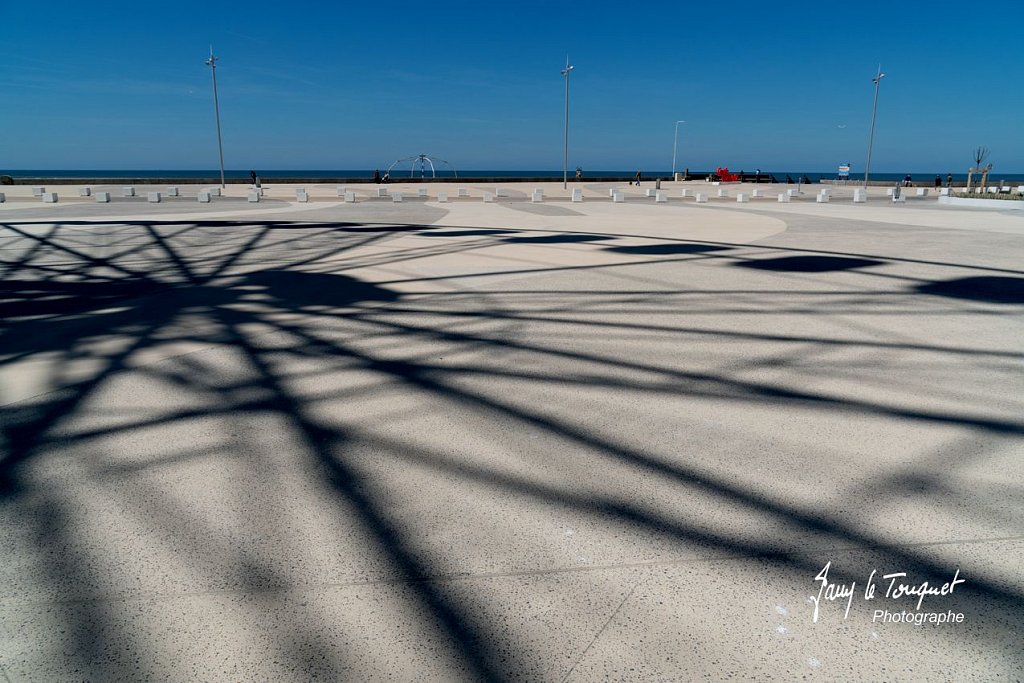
x: 949, y: 180
x: 938, y: 182
x: 638, y: 178
x: 376, y: 175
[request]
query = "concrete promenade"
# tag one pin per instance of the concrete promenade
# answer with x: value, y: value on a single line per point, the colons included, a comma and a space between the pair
x: 510, y: 440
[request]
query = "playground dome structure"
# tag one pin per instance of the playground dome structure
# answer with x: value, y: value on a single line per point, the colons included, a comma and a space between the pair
x: 423, y: 161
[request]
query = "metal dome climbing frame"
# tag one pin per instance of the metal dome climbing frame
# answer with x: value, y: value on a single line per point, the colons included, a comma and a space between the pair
x: 423, y: 160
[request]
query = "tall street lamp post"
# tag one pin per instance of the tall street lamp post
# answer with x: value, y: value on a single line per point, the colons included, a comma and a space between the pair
x: 871, y: 136
x: 212, y: 63
x: 565, y: 154
x: 675, y: 146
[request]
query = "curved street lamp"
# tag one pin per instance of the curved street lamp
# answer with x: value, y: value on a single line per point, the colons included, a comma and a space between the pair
x: 565, y: 154
x: 871, y: 136
x: 212, y: 63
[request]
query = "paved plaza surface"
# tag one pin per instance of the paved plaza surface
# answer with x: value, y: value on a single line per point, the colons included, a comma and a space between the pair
x: 554, y: 441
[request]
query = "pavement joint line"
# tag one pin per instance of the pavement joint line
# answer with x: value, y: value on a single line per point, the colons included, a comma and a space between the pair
x: 603, y: 628
x: 7, y: 603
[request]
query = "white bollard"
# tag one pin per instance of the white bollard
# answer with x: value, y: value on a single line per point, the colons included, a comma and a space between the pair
x: 488, y: 197
x: 84, y: 191
x: 153, y: 197
x: 651, y: 192
x: 254, y: 196
x: 900, y: 199
x: 501, y: 192
x: 784, y: 197
x: 382, y: 192
x: 50, y: 197
x: 214, y: 191
x: 722, y: 192
x: 618, y: 197
x: 611, y: 191
x: 922, y: 192
x: 538, y: 196
x: 684, y: 193
x: 3, y: 198
x: 102, y: 197
x: 341, y: 191
x: 860, y: 196
x: 350, y: 197
x: 127, y: 191
x: 822, y: 198
x: 792, y: 193
x: 757, y: 193
x: 1020, y: 189
x: 702, y: 198
x: 890, y: 190
x: 741, y: 198
x: 442, y: 197
x: 204, y: 196
x: 38, y: 191
x: 944, y: 192
x: 463, y: 192
x: 172, y: 192
x: 301, y: 195
x: 396, y: 197
x: 421, y: 192
x: 660, y: 197
x: 577, y: 195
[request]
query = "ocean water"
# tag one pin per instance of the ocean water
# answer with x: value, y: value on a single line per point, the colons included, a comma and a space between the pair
x: 401, y: 174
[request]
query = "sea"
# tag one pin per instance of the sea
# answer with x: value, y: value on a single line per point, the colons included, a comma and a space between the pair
x: 400, y: 175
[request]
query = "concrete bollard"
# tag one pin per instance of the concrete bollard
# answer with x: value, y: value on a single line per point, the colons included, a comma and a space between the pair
x: 943, y: 191
x: 611, y: 191
x: 860, y: 196
x: 660, y: 197
x: 538, y: 196
x: 172, y: 192
x: 254, y: 196
x: 784, y: 197
x: 50, y: 197
x: 442, y: 197
x: 889, y: 191
x: 901, y: 199
x: 421, y: 192
x: 301, y: 195
x: 38, y: 191
x: 488, y: 197
x: 214, y: 191
x: 462, y: 192
x: 702, y: 198
x: 396, y: 197
x: 822, y: 198
x: 741, y: 198
x: 650, y: 192
x: 922, y: 192
x: 102, y: 197
x: 127, y: 191
x: 501, y: 192
x: 341, y: 191
x: 3, y: 198
x: 153, y: 197
x: 577, y: 195
x: 84, y: 191
x: 382, y: 192
x: 722, y: 192
x: 757, y: 193
x: 350, y: 197
x: 618, y: 197
x: 204, y: 196
x: 792, y: 193
x: 684, y: 193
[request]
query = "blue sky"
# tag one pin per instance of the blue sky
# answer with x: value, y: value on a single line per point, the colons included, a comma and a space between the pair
x: 358, y: 85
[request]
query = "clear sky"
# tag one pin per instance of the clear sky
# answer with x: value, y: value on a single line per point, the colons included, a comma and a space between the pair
x: 334, y: 85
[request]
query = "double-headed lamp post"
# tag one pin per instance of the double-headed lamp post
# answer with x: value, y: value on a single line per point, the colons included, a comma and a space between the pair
x: 565, y: 154
x: 871, y: 136
x: 212, y: 63
x: 675, y: 146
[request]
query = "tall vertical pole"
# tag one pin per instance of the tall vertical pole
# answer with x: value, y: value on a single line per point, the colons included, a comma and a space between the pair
x: 675, y: 146
x: 212, y: 62
x: 565, y: 154
x: 871, y: 136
